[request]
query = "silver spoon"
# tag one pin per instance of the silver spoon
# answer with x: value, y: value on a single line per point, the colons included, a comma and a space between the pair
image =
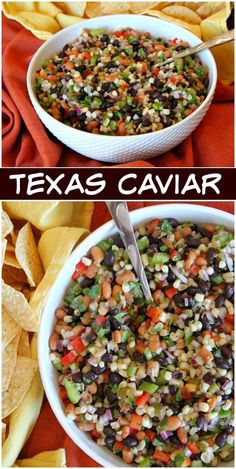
x: 216, y: 41
x: 120, y: 214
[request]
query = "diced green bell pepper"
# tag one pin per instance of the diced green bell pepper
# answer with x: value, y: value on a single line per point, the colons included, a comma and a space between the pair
x: 72, y: 391
x: 146, y: 462
x: 159, y: 258
x: 148, y: 387
x: 217, y: 279
x: 143, y: 243
x: 96, y: 32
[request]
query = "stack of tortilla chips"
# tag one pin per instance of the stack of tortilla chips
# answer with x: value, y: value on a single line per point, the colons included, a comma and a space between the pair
x: 37, y: 237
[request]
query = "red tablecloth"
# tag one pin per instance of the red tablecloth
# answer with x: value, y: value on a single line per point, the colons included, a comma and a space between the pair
x: 26, y: 142
x: 47, y: 433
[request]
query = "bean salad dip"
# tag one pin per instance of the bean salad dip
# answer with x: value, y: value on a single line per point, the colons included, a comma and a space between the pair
x: 153, y: 382
x: 111, y: 84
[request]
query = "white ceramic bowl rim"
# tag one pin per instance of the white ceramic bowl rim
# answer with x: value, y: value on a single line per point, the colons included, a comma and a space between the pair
x: 194, y: 212
x: 31, y: 70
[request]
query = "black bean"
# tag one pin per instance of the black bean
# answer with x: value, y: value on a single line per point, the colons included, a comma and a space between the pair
x: 89, y: 377
x: 172, y: 389
x: 122, y: 346
x: 115, y: 378
x: 116, y: 43
x: 183, y: 300
x: 115, y: 325
x: 118, y: 242
x: 217, y: 322
x: 222, y: 363
x: 100, y: 411
x: 109, y: 441
x: 146, y: 123
x: 220, y: 301
x: 173, y: 408
x: 210, y: 254
x: 221, y: 439
x: 193, y: 242
x: 162, y: 361
x: 229, y: 429
x: 135, y: 43
x: 226, y: 351
x: 130, y: 441
x: 206, y: 323
x: 150, y: 449
x: 100, y: 390
x: 209, y: 378
x: 105, y: 86
x: 87, y: 282
x: 179, y: 48
x: 111, y: 397
x: 193, y: 290
x: 177, y: 374
x: 105, y: 38
x: 200, y: 422
x: 229, y: 291
x: 108, y: 431
x: 91, y: 336
x: 98, y: 370
x: 107, y: 357
x: 206, y: 82
x: 138, y: 357
x: 204, y: 285
x: 77, y: 377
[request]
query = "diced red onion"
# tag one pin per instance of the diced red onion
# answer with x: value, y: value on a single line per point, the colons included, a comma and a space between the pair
x: 105, y: 418
x: 186, y: 302
x: 169, y: 355
x: 178, y: 274
x: 205, y: 275
x: 229, y: 262
x: 225, y: 385
x: 78, y: 110
x: 60, y: 345
x: 92, y: 361
x: 165, y: 434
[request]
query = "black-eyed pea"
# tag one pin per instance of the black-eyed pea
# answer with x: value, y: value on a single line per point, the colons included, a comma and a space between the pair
x: 97, y: 254
x: 126, y: 276
x: 106, y: 290
x: 53, y: 341
x: 60, y: 313
x: 127, y: 455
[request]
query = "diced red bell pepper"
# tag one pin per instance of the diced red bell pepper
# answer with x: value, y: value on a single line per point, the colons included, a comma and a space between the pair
x: 86, y: 55
x: 118, y: 446
x: 100, y: 319
x: 81, y: 266
x: 150, y: 434
x: 126, y: 34
x: 95, y: 434
x: 136, y: 422
x: 77, y: 344
x: 68, y: 358
x: 63, y: 393
x: 142, y: 400
x: 148, y: 323
x: 194, y: 269
x: 76, y: 275
x: 185, y: 394
x: 118, y: 33
x: 153, y: 224
x: 170, y: 292
x: 226, y: 327
x: 193, y: 447
x: 161, y: 456
x: 154, y: 313
x: 229, y: 318
x: 172, y: 253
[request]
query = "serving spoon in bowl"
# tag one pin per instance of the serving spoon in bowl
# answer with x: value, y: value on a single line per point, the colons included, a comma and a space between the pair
x: 120, y: 214
x: 215, y: 41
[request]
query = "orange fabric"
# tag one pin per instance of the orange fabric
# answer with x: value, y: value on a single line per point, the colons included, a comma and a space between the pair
x: 26, y: 142
x: 48, y: 434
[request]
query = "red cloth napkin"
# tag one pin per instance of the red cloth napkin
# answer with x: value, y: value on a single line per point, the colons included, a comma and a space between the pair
x: 26, y: 142
x: 48, y: 434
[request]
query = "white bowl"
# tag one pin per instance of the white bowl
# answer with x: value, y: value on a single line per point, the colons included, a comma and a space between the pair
x: 115, y: 149
x: 183, y: 212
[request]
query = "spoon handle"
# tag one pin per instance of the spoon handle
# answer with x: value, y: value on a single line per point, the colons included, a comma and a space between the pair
x: 120, y: 214
x: 215, y: 41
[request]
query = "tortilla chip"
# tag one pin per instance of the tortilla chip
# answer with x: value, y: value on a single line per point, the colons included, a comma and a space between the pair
x: 27, y: 255
x: 67, y: 241
x: 194, y: 28
x: 9, y: 355
x: 55, y: 458
x: 24, y: 349
x: 10, y: 259
x: 74, y: 8
x: 28, y: 292
x: 67, y: 20
x: 4, y: 432
x: 19, y: 309
x: 7, y: 225
x: 141, y: 7
x: 209, y: 8
x: 19, y: 384
x: 192, y: 5
x: 4, y: 247
x: 93, y: 9
x: 114, y: 8
x: 10, y: 328
x: 13, y: 276
x: 182, y: 13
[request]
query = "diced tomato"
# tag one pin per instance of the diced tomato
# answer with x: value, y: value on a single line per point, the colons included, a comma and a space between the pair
x: 136, y: 422
x: 226, y: 327
x: 76, y: 275
x: 161, y: 456
x: 194, y: 269
x: 142, y: 400
x: 206, y: 355
x: 95, y: 434
x: 185, y: 394
x: 154, y: 313
x: 170, y: 292
x: 81, y: 266
x: 68, y: 358
x: 126, y: 34
x: 140, y: 347
x: 63, y: 393
x: 118, y: 33
x: 100, y: 319
x: 150, y: 434
x: 153, y: 224
x: 155, y: 71
x: 193, y: 447
x: 148, y: 323
x: 118, y: 446
x: 86, y: 55
x: 77, y: 344
x: 229, y: 318
x: 172, y: 253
